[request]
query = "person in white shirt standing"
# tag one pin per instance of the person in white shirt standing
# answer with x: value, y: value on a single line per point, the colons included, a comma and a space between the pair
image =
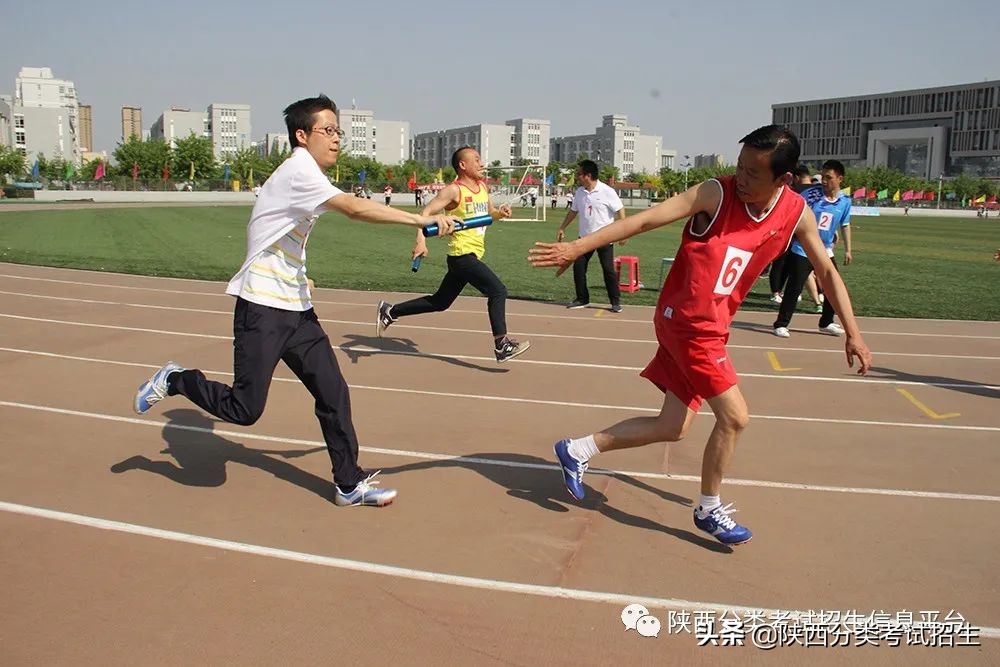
x: 274, y: 318
x: 598, y: 205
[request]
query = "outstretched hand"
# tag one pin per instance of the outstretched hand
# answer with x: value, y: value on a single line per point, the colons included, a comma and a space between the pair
x: 856, y: 348
x: 552, y: 254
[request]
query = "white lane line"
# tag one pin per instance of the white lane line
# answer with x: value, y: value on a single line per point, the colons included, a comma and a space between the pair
x: 533, y: 401
x: 642, y: 341
x: 452, y: 310
x: 441, y: 578
x: 435, y: 456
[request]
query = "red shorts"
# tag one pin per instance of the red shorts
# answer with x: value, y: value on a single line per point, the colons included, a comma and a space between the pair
x: 692, y: 369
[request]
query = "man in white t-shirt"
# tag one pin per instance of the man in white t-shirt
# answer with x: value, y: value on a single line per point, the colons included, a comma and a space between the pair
x: 598, y: 205
x: 274, y: 318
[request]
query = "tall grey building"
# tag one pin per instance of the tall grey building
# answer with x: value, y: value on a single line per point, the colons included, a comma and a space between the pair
x: 387, y: 141
x: 531, y: 139
x: 616, y: 143
x: 131, y: 123
x: 927, y: 132
x: 494, y: 143
x: 179, y: 123
x: 709, y: 160
x: 42, y: 116
x: 229, y: 127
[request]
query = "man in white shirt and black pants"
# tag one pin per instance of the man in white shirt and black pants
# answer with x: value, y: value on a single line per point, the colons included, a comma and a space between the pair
x: 274, y: 318
x: 598, y: 205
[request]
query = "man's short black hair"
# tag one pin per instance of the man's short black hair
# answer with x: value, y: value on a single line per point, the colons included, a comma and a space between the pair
x: 588, y: 168
x: 456, y: 157
x: 299, y: 115
x: 802, y: 169
x: 782, y: 144
x: 834, y: 165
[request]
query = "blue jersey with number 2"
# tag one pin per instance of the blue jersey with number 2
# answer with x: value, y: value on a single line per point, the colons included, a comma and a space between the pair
x: 830, y: 216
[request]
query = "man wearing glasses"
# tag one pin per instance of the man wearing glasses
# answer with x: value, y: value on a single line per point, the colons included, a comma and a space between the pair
x: 598, y: 205
x: 274, y: 317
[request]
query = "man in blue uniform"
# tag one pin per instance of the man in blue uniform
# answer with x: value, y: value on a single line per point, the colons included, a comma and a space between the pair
x: 833, y: 213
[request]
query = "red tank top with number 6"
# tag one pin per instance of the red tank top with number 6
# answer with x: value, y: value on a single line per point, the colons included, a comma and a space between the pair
x: 714, y: 271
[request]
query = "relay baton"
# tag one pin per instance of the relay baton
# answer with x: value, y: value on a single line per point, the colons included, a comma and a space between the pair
x: 416, y: 264
x: 470, y: 223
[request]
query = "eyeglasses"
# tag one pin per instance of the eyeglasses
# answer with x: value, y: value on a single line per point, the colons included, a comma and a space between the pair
x: 329, y: 131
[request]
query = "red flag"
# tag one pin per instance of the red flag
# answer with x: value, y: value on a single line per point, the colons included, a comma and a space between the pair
x: 412, y: 183
x: 135, y: 170
x: 99, y: 172
x: 166, y: 171
x: 930, y: 196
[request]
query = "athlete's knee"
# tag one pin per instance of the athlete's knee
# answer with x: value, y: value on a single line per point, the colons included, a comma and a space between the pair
x: 671, y: 430
x: 498, y: 291
x: 734, y: 420
x: 246, y: 415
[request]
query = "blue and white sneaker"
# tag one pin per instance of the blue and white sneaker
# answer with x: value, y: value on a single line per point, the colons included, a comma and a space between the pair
x: 154, y: 389
x: 365, y: 493
x: 721, y: 526
x: 572, y: 470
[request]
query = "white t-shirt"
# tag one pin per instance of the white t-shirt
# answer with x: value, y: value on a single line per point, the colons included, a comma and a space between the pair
x: 596, y: 208
x: 274, y: 273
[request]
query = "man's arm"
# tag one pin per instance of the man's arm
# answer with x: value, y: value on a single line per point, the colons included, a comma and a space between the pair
x: 446, y: 196
x: 357, y: 208
x: 807, y: 235
x: 498, y: 213
x: 848, y: 258
x: 570, y: 217
x: 704, y: 197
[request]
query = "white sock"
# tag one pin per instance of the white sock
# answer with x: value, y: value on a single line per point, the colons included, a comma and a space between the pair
x: 583, y: 449
x: 708, y: 503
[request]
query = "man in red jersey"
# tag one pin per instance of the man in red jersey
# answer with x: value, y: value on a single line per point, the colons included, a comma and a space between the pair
x: 738, y: 224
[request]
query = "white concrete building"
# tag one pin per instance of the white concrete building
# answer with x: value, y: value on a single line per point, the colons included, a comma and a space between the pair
x: 42, y: 116
x: 531, y: 139
x: 229, y: 127
x: 179, y: 123
x: 616, y: 143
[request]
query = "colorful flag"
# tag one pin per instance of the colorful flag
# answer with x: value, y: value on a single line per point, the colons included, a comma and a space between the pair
x: 70, y: 171
x: 166, y: 171
x: 895, y: 197
x: 981, y: 199
x: 950, y: 196
x: 930, y: 195
x: 250, y: 180
x: 99, y: 172
x: 908, y: 195
x: 225, y: 172
x: 35, y: 170
x: 872, y: 194
x: 992, y: 199
x: 191, y: 171
x: 859, y: 193
x: 440, y: 176
x: 846, y: 191
x: 336, y: 177
x: 965, y: 202
x: 882, y: 194
x: 135, y: 170
x: 550, y: 179
x: 362, y: 175
x: 412, y: 183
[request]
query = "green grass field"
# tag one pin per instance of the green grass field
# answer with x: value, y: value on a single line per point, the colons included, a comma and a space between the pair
x: 904, y: 267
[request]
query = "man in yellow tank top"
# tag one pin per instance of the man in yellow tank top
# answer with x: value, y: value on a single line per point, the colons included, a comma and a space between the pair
x: 468, y: 197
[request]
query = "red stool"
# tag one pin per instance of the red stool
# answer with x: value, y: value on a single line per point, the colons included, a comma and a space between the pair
x: 632, y: 262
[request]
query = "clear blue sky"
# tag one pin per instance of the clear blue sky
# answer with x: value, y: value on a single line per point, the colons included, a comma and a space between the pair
x: 701, y: 74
